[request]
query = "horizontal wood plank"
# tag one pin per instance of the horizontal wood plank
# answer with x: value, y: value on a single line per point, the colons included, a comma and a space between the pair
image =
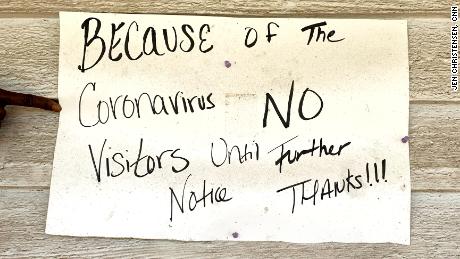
x: 28, y: 136
x: 232, y: 7
x: 434, y: 233
x: 29, y: 57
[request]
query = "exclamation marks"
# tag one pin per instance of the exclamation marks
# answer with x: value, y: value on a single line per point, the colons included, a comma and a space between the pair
x: 367, y: 173
x: 384, y: 165
x: 376, y: 173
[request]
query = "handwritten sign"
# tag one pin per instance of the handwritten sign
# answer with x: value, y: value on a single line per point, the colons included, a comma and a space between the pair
x: 219, y: 128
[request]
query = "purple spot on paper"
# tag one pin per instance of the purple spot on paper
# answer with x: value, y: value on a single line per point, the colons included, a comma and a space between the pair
x: 235, y: 234
x: 227, y: 64
x: 405, y: 139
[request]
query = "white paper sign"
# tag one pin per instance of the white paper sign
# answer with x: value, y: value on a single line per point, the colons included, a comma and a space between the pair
x: 219, y: 128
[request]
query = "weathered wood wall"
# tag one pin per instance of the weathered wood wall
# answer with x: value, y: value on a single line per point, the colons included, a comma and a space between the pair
x: 29, y: 39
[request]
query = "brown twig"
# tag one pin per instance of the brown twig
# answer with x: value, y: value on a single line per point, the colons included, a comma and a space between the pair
x: 28, y: 100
